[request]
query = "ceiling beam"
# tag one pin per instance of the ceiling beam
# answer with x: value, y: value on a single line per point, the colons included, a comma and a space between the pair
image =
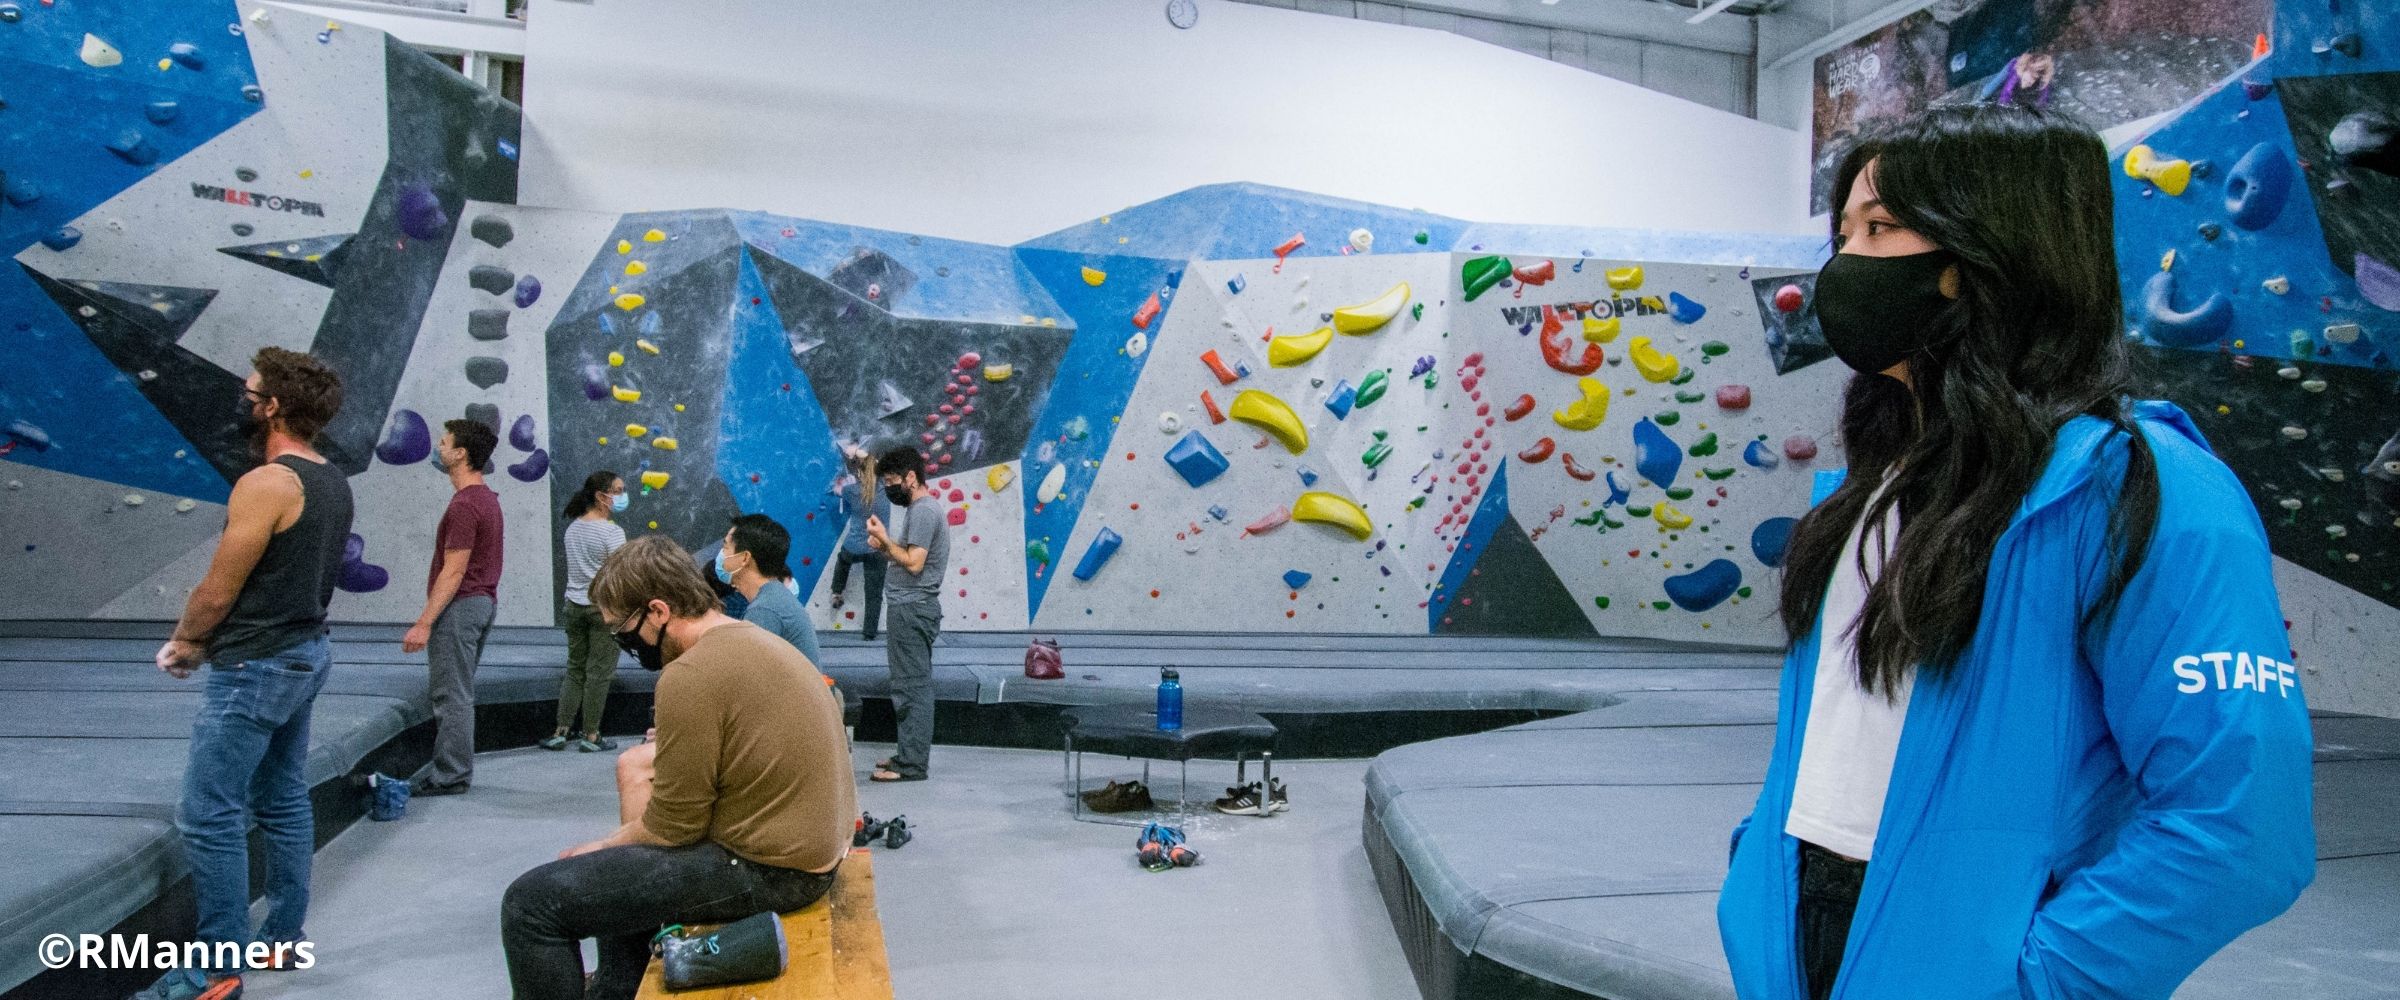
x: 1849, y: 32
x: 1640, y: 20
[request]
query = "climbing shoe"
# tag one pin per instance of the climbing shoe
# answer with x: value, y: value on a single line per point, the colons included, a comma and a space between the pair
x: 595, y: 744
x: 895, y: 833
x: 185, y: 985
x: 867, y: 829
x: 1131, y: 796
x: 555, y: 741
x: 1278, y: 797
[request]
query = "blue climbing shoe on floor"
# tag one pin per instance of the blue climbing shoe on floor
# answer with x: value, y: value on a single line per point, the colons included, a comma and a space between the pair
x: 184, y: 984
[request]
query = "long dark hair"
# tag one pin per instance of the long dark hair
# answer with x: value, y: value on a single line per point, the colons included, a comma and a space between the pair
x: 2021, y: 198
x: 589, y: 496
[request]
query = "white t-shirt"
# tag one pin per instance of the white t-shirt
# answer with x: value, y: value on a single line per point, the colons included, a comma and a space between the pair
x: 1852, y: 734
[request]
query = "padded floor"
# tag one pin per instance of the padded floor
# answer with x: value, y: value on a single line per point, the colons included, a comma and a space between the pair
x: 1586, y: 851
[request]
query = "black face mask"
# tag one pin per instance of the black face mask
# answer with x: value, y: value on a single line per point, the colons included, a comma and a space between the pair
x: 245, y: 418
x: 898, y: 493
x: 1876, y: 311
x: 651, y: 656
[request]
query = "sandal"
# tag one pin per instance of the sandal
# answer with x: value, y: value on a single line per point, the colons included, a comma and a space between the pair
x: 886, y: 774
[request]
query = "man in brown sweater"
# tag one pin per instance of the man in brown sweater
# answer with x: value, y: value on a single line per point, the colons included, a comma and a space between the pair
x: 751, y: 801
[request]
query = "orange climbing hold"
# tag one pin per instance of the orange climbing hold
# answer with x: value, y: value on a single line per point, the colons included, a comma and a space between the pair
x: 1209, y: 403
x: 1148, y: 312
x: 1225, y: 376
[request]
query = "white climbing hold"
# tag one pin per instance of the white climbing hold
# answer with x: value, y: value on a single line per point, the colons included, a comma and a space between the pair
x: 2296, y: 433
x: 185, y: 506
x: 1170, y: 422
x: 2314, y: 385
x: 2288, y: 372
x: 2289, y: 503
x: 148, y: 375
x: 2335, y: 531
x: 2276, y: 285
x: 98, y: 54
x: 133, y: 500
x: 1054, y: 482
x: 1362, y: 241
x: 1137, y: 345
x: 15, y: 484
x: 2342, y: 333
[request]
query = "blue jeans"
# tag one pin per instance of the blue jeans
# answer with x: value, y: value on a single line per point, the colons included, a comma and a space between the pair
x: 248, y: 762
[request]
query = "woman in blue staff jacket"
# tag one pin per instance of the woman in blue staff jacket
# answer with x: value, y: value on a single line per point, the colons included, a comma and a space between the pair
x: 2039, y: 735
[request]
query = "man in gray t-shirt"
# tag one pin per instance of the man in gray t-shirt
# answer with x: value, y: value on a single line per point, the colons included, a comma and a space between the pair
x: 912, y: 597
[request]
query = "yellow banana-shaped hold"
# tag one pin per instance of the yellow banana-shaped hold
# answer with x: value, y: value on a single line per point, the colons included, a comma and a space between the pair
x: 1296, y: 348
x: 1272, y: 415
x: 1317, y: 507
x: 1368, y: 317
x: 1586, y: 413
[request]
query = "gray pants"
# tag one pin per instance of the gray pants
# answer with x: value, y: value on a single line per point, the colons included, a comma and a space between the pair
x: 456, y: 648
x: 909, y: 630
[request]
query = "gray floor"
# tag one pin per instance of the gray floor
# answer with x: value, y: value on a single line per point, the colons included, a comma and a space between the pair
x: 1001, y: 895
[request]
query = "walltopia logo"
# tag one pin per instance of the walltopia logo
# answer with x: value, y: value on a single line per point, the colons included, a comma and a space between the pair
x: 272, y: 203
x: 112, y: 951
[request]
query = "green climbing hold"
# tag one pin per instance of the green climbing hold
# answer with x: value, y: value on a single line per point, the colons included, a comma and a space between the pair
x: 1665, y: 418
x: 1600, y: 602
x: 1593, y: 518
x: 1705, y: 447
x: 1481, y: 273
x: 1611, y: 522
x: 1432, y: 379
x: 1688, y: 397
x: 1371, y: 388
x: 2303, y: 345
x: 1037, y: 550
x: 1417, y: 502
x: 1416, y: 311
x: 1376, y: 454
x: 1423, y: 237
x: 1661, y: 605
x: 1638, y: 511
x: 1743, y: 592
x: 1679, y: 492
x: 1715, y: 348
x: 1718, y: 475
x: 1682, y: 377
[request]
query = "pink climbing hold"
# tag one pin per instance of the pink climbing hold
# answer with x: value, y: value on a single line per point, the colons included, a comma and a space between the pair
x: 968, y: 360
x: 958, y: 516
x: 1788, y: 298
x: 1800, y: 447
x: 1733, y: 397
x: 1280, y: 517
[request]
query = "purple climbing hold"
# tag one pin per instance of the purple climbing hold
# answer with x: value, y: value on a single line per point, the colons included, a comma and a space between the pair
x: 1655, y: 455
x: 529, y: 289
x: 1706, y: 587
x: 63, y: 238
x: 2378, y: 282
x: 2257, y: 90
x: 25, y: 433
x: 533, y: 468
x: 406, y: 439
x: 420, y: 213
x: 521, y: 434
x: 358, y: 576
x: 1423, y: 364
x: 595, y: 381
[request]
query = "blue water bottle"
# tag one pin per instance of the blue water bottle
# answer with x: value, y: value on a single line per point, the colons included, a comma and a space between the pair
x: 1170, y: 701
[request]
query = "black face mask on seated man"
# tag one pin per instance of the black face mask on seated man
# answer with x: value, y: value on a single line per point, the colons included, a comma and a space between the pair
x: 652, y: 657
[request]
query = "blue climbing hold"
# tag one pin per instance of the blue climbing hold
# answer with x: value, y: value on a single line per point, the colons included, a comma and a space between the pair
x: 2258, y: 186
x: 1618, y: 492
x: 1706, y: 587
x: 1219, y: 512
x: 532, y: 469
x: 1344, y: 397
x: 1294, y: 579
x: 162, y: 112
x: 1761, y: 456
x: 21, y: 191
x: 2198, y: 326
x: 522, y: 434
x: 420, y: 213
x: 1770, y: 538
x: 1308, y: 476
x: 1684, y: 310
x: 1096, y: 555
x: 406, y: 439
x: 1196, y: 459
x: 529, y: 289
x: 1655, y: 455
x: 1236, y: 284
x: 25, y: 433
x: 63, y: 238
x: 133, y: 147
x: 595, y: 381
x: 1175, y: 278
x: 187, y: 55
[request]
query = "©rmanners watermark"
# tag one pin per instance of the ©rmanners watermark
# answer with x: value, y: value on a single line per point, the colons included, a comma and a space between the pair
x: 115, y: 951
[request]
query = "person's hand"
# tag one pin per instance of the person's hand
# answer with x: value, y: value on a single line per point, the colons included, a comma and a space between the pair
x: 418, y: 637
x: 651, y: 736
x: 583, y: 848
x: 178, y: 657
x: 876, y: 536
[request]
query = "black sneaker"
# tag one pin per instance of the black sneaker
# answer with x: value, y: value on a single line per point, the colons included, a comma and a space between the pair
x: 1132, y: 796
x: 866, y: 831
x: 424, y: 788
x: 555, y: 741
x: 895, y: 833
x: 1278, y: 797
x: 594, y: 744
x: 1241, y: 801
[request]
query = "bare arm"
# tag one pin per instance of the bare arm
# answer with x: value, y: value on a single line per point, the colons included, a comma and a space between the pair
x: 445, y: 587
x: 263, y: 499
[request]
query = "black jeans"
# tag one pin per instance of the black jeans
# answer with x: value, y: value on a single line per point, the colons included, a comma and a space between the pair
x: 874, y: 563
x: 1829, y: 886
x: 622, y: 896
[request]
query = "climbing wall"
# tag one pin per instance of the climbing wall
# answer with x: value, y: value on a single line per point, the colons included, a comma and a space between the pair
x: 2258, y: 235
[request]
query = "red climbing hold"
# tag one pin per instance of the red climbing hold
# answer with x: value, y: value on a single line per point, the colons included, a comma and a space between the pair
x: 1209, y: 403
x: 1225, y: 376
x: 1550, y: 321
x: 1787, y: 298
x: 1468, y: 383
x: 969, y: 360
x: 1538, y: 273
x: 1541, y: 450
x: 1800, y: 447
x: 1474, y: 360
x: 1574, y: 469
x: 1147, y: 313
x: 1518, y: 409
x: 1733, y: 397
x: 1558, y: 348
x: 958, y: 516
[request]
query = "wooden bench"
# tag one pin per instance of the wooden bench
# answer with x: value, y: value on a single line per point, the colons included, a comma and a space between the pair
x: 835, y: 946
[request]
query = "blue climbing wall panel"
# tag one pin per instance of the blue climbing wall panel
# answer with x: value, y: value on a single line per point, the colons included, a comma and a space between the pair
x: 776, y: 452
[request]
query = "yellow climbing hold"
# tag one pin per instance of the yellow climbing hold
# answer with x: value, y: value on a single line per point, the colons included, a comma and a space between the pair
x: 1586, y: 413
x: 625, y: 395
x: 679, y: 407
x: 1368, y: 317
x: 1674, y: 520
x: 1625, y: 279
x: 663, y: 443
x: 646, y: 346
x: 1094, y: 276
x: 2170, y: 175
x: 1050, y: 321
x: 1296, y: 348
x: 1601, y: 331
x: 165, y: 65
x: 654, y: 479
x: 1267, y: 413
x: 616, y: 359
x: 635, y: 430
x: 654, y: 236
x: 1654, y: 364
x: 630, y: 301
x: 998, y: 373
x: 999, y: 477
x: 635, y: 268
x: 1319, y: 507
x: 98, y: 54
x: 624, y: 246
x: 2166, y: 261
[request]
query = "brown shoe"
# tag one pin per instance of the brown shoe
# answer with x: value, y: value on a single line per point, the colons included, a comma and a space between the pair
x: 1131, y: 796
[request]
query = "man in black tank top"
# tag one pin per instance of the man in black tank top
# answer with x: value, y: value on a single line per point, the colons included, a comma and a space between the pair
x: 257, y: 621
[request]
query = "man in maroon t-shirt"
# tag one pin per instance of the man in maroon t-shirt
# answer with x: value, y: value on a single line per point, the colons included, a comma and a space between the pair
x: 462, y: 591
